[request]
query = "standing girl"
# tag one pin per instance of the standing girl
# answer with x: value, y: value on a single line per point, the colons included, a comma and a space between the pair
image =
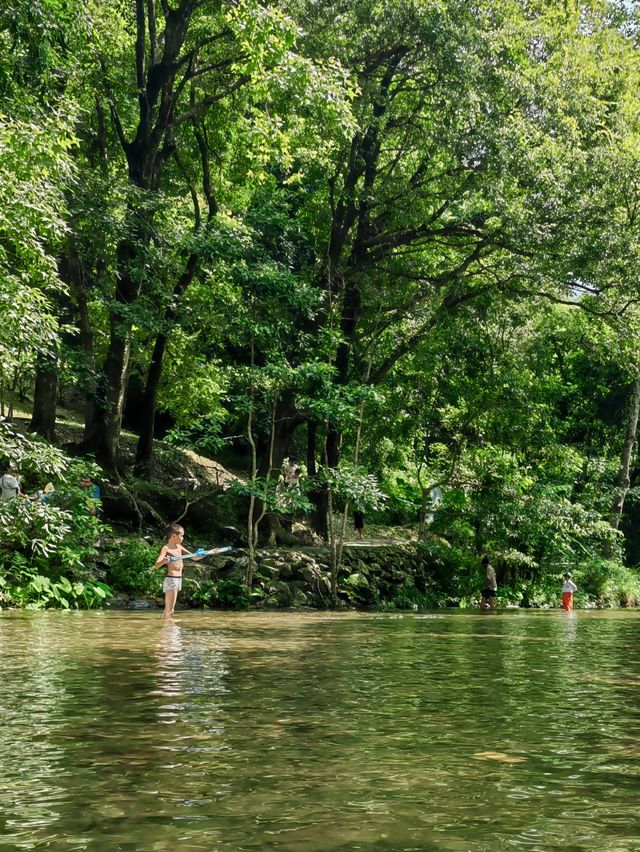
x: 567, y: 592
x: 169, y: 556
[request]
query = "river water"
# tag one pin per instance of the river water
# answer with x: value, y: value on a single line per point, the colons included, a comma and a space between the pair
x: 443, y: 731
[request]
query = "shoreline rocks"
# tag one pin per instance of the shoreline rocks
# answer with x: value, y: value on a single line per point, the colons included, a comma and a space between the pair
x: 386, y: 575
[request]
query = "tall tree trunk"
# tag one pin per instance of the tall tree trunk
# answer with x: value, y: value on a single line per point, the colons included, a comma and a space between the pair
x: 73, y: 274
x: 257, y: 506
x: 102, y: 433
x: 157, y: 68
x: 312, y: 432
x: 286, y: 420
x: 422, y: 514
x: 144, y: 450
x: 320, y: 495
x: 43, y: 419
x: 86, y: 342
x: 623, y: 480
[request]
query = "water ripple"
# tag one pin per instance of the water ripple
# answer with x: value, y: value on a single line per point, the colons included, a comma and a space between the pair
x: 319, y: 732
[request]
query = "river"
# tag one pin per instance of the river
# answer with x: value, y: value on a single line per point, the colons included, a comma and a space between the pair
x: 436, y: 731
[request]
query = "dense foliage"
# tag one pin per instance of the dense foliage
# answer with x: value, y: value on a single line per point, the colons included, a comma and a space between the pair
x: 397, y: 241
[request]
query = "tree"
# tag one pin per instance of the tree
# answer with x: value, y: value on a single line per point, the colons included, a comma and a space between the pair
x: 159, y: 84
x: 36, y: 140
x: 437, y: 199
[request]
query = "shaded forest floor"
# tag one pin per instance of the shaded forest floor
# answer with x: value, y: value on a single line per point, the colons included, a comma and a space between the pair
x: 180, y: 480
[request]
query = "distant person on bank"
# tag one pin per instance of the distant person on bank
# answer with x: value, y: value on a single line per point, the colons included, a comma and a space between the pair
x: 45, y: 495
x: 9, y: 485
x: 358, y: 523
x: 93, y: 490
x: 489, y: 585
x: 567, y: 592
x: 288, y: 471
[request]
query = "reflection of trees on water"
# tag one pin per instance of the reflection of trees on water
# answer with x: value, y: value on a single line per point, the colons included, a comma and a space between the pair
x: 32, y: 764
x: 132, y: 730
x: 190, y: 670
x: 70, y: 726
x: 83, y: 736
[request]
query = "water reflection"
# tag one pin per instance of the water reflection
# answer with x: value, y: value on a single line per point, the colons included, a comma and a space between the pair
x: 319, y: 731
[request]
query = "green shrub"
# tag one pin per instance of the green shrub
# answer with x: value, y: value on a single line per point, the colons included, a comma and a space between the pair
x: 200, y: 591
x: 409, y: 597
x: 226, y: 593
x: 29, y: 590
x: 48, y: 549
x: 609, y: 583
x: 131, y: 569
x: 230, y: 593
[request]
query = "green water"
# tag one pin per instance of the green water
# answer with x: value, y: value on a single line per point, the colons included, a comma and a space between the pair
x: 474, y: 731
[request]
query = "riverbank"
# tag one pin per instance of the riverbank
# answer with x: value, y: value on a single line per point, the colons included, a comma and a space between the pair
x: 371, y: 575
x: 86, y: 554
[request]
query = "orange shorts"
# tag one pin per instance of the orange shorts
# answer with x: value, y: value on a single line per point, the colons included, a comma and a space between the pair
x: 567, y: 600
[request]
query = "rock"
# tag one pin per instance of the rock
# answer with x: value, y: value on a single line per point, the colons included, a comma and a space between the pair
x: 283, y: 593
x: 231, y: 534
x: 300, y: 597
x: 142, y: 603
x: 267, y: 571
x: 312, y: 574
x: 287, y: 570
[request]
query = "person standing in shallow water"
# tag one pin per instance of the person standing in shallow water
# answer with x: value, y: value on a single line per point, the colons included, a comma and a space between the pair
x: 169, y: 556
x: 489, y: 585
x: 567, y: 592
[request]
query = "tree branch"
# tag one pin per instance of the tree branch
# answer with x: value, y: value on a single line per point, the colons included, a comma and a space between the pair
x: 192, y: 190
x: 206, y: 171
x: 452, y: 299
x: 112, y: 107
x: 140, y: 49
x: 202, y: 105
x: 575, y: 303
x: 189, y: 57
x: 450, y: 302
x: 153, y: 37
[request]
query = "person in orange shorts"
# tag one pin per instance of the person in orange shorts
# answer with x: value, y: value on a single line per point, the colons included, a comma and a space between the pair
x: 567, y: 592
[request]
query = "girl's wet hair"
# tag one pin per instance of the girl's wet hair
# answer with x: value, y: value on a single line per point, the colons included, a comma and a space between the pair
x: 173, y: 529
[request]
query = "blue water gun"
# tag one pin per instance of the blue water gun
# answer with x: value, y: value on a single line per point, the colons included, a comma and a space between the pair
x: 200, y: 553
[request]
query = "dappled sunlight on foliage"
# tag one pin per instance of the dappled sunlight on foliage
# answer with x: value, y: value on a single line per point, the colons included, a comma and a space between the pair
x: 49, y: 545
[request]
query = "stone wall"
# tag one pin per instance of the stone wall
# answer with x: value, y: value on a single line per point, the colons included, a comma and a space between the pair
x: 370, y: 576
